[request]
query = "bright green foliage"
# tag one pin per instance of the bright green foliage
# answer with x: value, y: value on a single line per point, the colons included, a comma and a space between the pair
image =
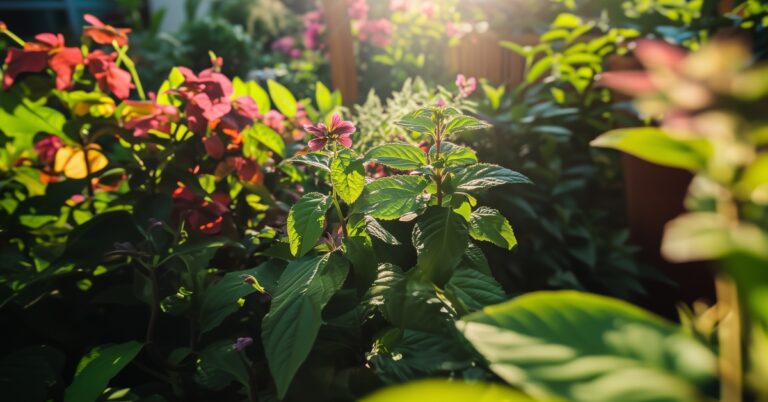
x: 97, y: 368
x: 583, y: 347
x: 487, y: 224
x: 446, y: 391
x: 398, y: 156
x: 657, y: 146
x: 347, y: 176
x: 294, y: 319
x: 283, y: 98
x: 395, y: 196
x: 306, y: 221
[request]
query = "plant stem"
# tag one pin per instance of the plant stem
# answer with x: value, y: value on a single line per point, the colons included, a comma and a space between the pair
x: 154, y: 313
x: 14, y: 38
x: 131, y: 66
x: 439, y: 172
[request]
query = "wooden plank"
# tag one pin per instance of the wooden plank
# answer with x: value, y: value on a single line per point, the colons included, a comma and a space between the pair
x: 342, y: 49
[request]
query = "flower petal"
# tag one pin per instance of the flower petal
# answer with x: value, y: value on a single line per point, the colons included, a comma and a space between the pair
x: 317, y: 144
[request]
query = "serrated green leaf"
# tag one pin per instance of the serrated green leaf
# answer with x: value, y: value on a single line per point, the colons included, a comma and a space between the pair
x: 283, y: 98
x: 483, y: 176
x: 374, y: 228
x: 440, y: 237
x: 454, y: 155
x: 659, y: 147
x: 394, y: 196
x: 313, y: 159
x: 474, y: 290
x: 259, y: 133
x: 398, y: 156
x: 291, y: 326
x: 461, y: 124
x: 488, y: 224
x: 418, y: 121
x: 220, y: 300
x: 305, y: 222
x: 97, y: 368
x: 348, y: 176
x: 583, y: 347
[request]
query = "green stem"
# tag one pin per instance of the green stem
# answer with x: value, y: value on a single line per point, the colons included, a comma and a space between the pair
x: 334, y: 196
x: 131, y: 66
x: 15, y: 38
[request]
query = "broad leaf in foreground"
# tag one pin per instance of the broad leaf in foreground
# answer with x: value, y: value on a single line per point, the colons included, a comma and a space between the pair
x: 584, y: 347
x: 291, y: 326
x: 97, y: 368
x: 305, y: 222
x: 394, y: 196
x: 659, y: 147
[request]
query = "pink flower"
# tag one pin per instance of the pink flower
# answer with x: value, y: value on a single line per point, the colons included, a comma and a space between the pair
x: 312, y: 37
x: 340, y: 131
x: 467, y: 86
x: 48, y: 49
x: 377, y: 32
x: 109, y: 77
x: 143, y: 116
x: 207, y: 96
x: 286, y: 45
x: 440, y: 102
x: 398, y: 5
x: 244, y: 112
x: 275, y: 120
x: 357, y: 9
x: 104, y: 34
x: 47, y: 148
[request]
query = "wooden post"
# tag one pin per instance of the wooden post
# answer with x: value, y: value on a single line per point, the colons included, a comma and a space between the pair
x: 342, y: 49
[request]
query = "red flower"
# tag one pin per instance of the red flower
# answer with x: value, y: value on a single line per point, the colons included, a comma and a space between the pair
x: 214, y: 146
x: 207, y: 97
x: 340, y: 131
x: 104, y: 34
x: 201, y: 214
x: 110, y: 77
x: 47, y: 148
x: 142, y: 116
x: 48, y: 50
x: 247, y: 169
x: 244, y: 112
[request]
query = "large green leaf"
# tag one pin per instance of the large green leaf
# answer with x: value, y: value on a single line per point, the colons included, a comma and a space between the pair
x: 305, y: 222
x: 584, y: 347
x: 440, y: 237
x: 291, y: 326
x: 400, y: 355
x: 460, y: 124
x: 348, y: 176
x: 222, y: 356
x: 314, y: 159
x: 482, y: 176
x: 408, y: 302
x: 419, y: 122
x: 283, y: 98
x: 447, y: 391
x: 453, y: 155
x: 22, y: 119
x: 97, y: 368
x: 261, y: 134
x: 398, y: 156
x: 487, y: 224
x: 394, y: 196
x: 220, y: 300
x: 473, y: 289
x: 659, y: 147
